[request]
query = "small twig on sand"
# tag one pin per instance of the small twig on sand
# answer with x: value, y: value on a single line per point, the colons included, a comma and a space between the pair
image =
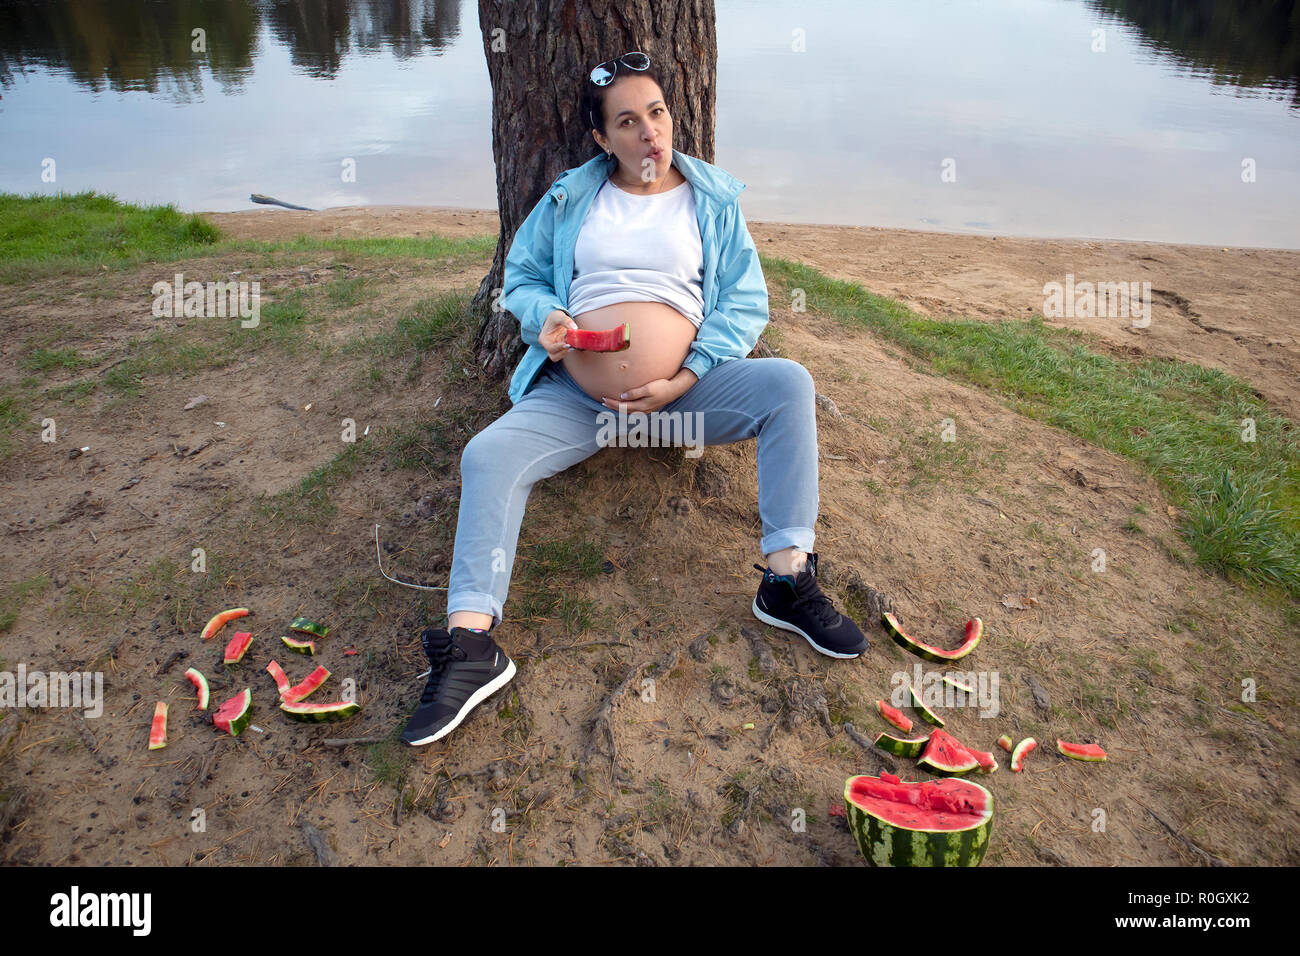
x: 552, y: 648
x: 601, y: 724
x: 1208, y: 857
x: 346, y: 741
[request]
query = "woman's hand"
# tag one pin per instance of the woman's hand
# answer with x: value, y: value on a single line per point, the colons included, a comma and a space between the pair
x: 651, y: 396
x: 553, y: 331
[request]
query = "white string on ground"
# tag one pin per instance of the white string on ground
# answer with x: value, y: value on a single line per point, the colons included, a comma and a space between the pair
x: 380, y: 557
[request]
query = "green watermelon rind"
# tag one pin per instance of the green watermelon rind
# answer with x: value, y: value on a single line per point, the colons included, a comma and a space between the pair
x: 925, y: 713
x: 301, y: 647
x: 1021, y: 751
x: 1006, y: 743
x: 886, y: 844
x: 307, y: 626
x: 901, y: 747
x: 1062, y: 745
x: 320, y: 713
x: 203, y: 693
x: 935, y: 654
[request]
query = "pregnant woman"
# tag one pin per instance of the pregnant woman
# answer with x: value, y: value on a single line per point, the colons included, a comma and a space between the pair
x: 646, y: 236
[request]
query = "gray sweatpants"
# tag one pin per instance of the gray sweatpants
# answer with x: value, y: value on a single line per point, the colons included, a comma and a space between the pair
x: 556, y: 425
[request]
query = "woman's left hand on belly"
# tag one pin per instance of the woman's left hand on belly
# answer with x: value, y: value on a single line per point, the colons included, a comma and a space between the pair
x: 650, y: 397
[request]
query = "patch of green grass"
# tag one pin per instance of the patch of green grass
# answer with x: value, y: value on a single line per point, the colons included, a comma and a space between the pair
x: 422, y: 446
x: 12, y: 418
x: 13, y: 595
x: 564, y: 558
x: 46, y: 360
x: 344, y: 292
x: 308, y: 502
x: 390, y: 759
x: 79, y: 232
x: 1182, y: 423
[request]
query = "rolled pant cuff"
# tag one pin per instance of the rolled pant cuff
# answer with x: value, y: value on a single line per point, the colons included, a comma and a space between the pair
x: 475, y: 601
x: 799, y: 538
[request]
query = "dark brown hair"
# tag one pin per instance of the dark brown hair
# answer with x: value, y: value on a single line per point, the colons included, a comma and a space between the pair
x: 593, y: 96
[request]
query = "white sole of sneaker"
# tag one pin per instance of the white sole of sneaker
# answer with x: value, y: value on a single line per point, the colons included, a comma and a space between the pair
x: 787, y: 626
x: 476, y: 698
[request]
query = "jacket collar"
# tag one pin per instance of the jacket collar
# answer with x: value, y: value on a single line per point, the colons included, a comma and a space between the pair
x: 715, y: 182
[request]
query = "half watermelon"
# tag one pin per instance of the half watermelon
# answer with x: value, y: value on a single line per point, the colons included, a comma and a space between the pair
x: 930, y: 823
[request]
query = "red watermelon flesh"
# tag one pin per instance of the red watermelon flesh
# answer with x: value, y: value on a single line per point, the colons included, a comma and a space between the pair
x: 946, y: 754
x: 929, y: 805
x: 894, y: 716
x: 307, y: 687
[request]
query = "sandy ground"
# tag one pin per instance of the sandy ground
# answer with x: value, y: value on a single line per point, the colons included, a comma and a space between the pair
x: 1232, y: 309
x: 748, y: 731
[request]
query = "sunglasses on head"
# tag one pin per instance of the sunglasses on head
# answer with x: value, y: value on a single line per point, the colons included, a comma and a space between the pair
x: 603, y: 75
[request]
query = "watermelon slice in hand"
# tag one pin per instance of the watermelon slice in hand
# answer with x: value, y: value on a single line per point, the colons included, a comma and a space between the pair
x: 609, y: 340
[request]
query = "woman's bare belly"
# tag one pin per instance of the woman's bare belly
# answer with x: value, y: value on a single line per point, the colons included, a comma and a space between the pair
x: 661, y: 340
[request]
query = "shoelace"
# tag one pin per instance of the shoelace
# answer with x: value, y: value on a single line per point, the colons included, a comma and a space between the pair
x: 440, y: 658
x: 819, y: 606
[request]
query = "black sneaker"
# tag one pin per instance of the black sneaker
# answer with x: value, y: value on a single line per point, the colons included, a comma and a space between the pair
x: 800, y: 606
x: 465, y: 669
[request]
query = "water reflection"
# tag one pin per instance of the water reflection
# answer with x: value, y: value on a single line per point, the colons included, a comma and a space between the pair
x: 1251, y: 44
x: 149, y: 44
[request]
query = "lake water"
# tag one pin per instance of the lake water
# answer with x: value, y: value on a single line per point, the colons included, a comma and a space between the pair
x: 1161, y: 120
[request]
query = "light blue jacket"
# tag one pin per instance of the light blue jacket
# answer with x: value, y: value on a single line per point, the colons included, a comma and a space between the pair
x: 539, y: 266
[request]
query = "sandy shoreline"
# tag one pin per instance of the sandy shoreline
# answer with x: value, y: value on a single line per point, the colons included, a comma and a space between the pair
x: 1228, y: 308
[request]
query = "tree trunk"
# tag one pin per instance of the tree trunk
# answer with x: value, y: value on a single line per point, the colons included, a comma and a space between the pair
x: 539, y: 53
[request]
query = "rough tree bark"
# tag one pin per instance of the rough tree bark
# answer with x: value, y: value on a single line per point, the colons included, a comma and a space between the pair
x: 539, y: 53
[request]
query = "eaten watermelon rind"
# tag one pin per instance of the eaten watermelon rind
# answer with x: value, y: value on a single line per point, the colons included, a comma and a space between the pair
x: 1005, y: 743
x: 158, y: 729
x: 1090, y: 752
x: 310, y: 684
x: 280, y: 677
x: 894, y: 716
x: 1020, y: 752
x: 974, y: 631
x: 925, y: 713
x: 238, y: 647
x: 932, y: 837
x: 319, y: 713
x: 234, y: 715
x: 200, y: 683
x: 301, y: 647
x: 308, y: 626
x: 218, y: 621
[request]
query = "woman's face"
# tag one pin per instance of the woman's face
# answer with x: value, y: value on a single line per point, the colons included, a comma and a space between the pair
x: 639, y: 127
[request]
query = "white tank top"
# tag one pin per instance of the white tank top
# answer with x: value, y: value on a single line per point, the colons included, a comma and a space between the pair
x: 634, y: 248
